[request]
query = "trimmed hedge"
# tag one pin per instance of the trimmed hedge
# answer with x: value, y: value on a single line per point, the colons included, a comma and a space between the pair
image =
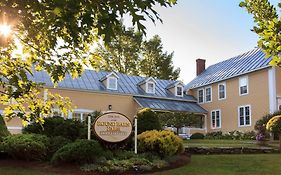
x: 197, y: 136
x: 58, y: 126
x: 147, y: 120
x: 26, y: 146
x: 80, y: 151
x: 164, y: 143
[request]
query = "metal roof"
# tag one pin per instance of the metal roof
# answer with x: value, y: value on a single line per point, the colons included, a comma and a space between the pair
x: 242, y: 64
x: 169, y: 105
x: 127, y: 85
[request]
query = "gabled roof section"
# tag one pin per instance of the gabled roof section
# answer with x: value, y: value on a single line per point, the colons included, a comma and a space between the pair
x: 242, y: 64
x: 147, y: 80
x: 109, y: 75
x: 174, y: 84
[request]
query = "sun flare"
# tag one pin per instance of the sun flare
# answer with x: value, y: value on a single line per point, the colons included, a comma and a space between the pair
x: 5, y: 29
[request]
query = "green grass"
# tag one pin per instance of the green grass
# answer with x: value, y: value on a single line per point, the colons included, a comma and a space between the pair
x: 224, y: 143
x: 258, y: 164
x: 15, y: 171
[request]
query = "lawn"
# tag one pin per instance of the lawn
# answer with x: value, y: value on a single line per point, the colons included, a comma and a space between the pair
x: 15, y: 171
x: 225, y: 143
x: 258, y: 164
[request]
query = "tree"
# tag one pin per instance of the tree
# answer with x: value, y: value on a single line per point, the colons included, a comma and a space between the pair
x: 156, y: 62
x: 147, y: 120
x: 130, y: 53
x: 180, y: 119
x: 274, y: 125
x: 121, y: 54
x: 268, y: 27
x: 56, y: 36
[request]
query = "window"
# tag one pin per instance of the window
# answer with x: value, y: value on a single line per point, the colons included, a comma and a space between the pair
x: 208, y: 94
x: 112, y: 83
x: 221, y: 91
x: 200, y: 96
x: 243, y: 85
x: 79, y: 116
x: 216, y: 119
x: 179, y: 91
x: 244, y: 114
x: 150, y: 87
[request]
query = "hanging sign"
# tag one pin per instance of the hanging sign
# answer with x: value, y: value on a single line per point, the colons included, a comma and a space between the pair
x: 113, y: 127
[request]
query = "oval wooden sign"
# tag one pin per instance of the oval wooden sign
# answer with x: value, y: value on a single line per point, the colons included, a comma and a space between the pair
x: 113, y: 127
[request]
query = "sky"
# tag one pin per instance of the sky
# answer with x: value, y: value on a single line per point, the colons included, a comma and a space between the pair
x: 214, y: 30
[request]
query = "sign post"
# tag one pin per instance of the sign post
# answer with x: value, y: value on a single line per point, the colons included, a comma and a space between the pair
x: 89, y: 127
x: 136, y: 135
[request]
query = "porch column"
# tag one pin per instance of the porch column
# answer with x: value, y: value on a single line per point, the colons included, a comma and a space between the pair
x: 205, y: 123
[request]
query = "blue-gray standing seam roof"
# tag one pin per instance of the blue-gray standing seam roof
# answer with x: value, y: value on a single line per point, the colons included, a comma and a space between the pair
x: 233, y: 67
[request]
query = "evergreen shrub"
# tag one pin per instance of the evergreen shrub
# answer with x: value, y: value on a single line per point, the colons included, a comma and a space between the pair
x: 147, y: 120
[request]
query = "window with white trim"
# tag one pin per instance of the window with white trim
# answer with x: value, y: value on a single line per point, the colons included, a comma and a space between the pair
x: 150, y: 87
x: 179, y: 91
x: 208, y: 94
x: 222, y: 91
x: 200, y: 96
x: 244, y: 114
x: 112, y: 83
x: 216, y: 119
x: 243, y: 85
x: 79, y: 116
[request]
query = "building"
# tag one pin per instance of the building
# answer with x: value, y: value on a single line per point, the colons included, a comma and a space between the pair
x: 237, y: 92
x: 103, y: 91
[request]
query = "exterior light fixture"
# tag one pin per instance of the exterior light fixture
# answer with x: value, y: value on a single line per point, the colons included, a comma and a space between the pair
x: 109, y: 107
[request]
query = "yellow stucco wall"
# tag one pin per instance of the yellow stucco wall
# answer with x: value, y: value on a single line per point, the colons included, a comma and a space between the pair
x: 278, y: 81
x: 257, y: 98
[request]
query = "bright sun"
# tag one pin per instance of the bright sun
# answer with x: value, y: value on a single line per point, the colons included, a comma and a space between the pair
x: 5, y: 29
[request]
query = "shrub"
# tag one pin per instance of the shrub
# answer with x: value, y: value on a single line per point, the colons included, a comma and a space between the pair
x: 260, y: 125
x: 164, y: 143
x: 3, y: 129
x: 147, y: 120
x: 56, y: 143
x: 57, y: 126
x: 232, y: 135
x: 214, y: 135
x: 80, y: 151
x: 26, y: 146
x: 197, y: 136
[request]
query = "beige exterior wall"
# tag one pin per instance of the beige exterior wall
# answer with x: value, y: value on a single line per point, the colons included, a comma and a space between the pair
x: 278, y: 86
x: 257, y: 98
x: 89, y: 101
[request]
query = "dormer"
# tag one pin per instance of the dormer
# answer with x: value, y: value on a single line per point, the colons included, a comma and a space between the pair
x: 176, y: 88
x: 148, y: 85
x: 110, y: 81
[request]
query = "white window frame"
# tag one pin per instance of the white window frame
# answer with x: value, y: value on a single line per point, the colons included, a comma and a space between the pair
x: 81, y: 111
x: 153, y: 89
x: 247, y: 81
x: 244, y: 111
x: 176, y: 91
x: 216, y: 125
x: 205, y: 97
x: 113, y: 79
x: 223, y: 84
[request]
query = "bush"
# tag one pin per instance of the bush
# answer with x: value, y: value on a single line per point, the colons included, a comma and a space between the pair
x: 197, y: 136
x: 26, y: 146
x: 3, y: 129
x: 260, y: 125
x: 80, y: 151
x: 56, y: 143
x: 232, y: 135
x: 214, y: 135
x: 57, y: 126
x: 164, y: 143
x: 147, y: 120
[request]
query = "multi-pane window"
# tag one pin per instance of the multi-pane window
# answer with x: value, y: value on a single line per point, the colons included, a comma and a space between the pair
x: 112, y: 83
x: 222, y: 91
x: 200, y: 96
x: 243, y: 85
x: 244, y: 115
x: 179, y: 91
x: 150, y: 87
x: 79, y: 116
x: 216, y: 119
x: 208, y: 94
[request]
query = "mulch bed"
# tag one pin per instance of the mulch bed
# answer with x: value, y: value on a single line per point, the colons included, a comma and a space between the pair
x: 75, y: 169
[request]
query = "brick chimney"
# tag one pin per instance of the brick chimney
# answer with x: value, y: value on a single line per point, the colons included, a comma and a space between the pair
x: 200, y: 66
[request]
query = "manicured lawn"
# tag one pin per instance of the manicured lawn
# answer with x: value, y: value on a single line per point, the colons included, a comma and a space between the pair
x: 224, y: 143
x: 258, y: 164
